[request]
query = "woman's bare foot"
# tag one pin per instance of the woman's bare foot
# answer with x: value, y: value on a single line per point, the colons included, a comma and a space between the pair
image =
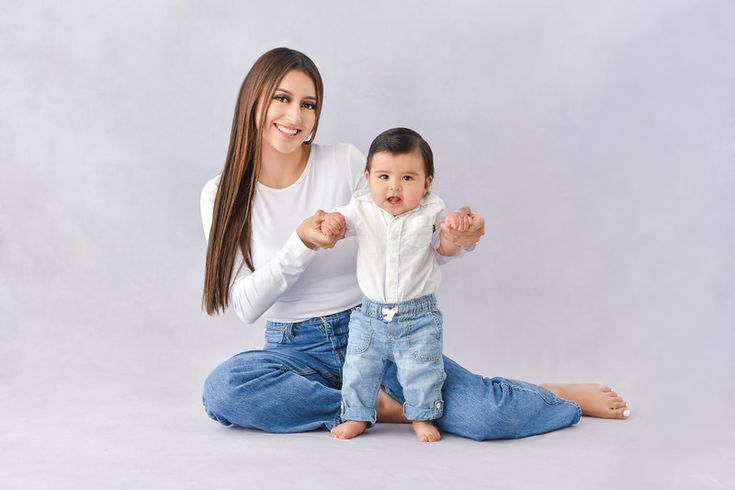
x: 594, y: 400
x: 389, y: 410
x: 349, y: 429
x: 425, y: 431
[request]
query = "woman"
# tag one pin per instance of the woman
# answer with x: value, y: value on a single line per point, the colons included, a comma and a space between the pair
x: 261, y: 259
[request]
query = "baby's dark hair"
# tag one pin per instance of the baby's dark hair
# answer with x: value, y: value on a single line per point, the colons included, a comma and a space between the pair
x: 401, y: 141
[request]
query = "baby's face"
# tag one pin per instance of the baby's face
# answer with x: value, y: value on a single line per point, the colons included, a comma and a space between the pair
x: 397, y: 181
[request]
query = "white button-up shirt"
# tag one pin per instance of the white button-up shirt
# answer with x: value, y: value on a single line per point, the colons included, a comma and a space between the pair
x: 396, y: 255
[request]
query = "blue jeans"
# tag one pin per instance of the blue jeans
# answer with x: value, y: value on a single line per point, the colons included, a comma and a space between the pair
x: 408, y: 334
x: 293, y: 385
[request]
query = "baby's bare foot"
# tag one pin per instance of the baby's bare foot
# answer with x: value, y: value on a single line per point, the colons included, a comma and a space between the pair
x: 349, y: 429
x: 594, y: 400
x: 425, y: 431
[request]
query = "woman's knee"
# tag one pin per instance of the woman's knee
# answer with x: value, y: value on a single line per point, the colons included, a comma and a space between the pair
x: 221, y: 387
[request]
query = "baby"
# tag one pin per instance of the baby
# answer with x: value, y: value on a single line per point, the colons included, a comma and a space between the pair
x: 399, y: 226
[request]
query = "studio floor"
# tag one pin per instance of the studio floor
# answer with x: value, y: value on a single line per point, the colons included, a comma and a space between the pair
x: 118, y: 439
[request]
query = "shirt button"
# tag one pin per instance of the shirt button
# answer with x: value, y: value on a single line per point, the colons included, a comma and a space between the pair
x: 390, y: 338
x: 439, y: 405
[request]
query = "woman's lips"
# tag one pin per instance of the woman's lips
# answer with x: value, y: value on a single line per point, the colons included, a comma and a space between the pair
x: 286, y: 131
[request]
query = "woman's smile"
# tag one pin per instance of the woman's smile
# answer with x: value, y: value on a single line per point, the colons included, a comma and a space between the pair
x: 289, y: 131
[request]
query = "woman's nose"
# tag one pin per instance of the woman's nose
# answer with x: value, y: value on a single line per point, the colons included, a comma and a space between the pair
x: 294, y: 113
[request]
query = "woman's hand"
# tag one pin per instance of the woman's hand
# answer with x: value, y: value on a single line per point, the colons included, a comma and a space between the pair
x: 463, y: 228
x: 310, y: 232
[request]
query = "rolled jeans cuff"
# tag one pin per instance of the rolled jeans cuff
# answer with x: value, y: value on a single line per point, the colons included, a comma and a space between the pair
x: 418, y: 413
x: 359, y: 414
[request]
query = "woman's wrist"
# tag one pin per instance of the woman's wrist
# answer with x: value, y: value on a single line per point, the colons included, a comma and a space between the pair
x: 301, y: 236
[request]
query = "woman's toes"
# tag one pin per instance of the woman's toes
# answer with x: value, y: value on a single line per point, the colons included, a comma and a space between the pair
x: 622, y: 413
x: 620, y: 404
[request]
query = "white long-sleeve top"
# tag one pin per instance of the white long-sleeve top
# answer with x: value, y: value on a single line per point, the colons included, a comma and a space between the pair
x: 291, y: 282
x: 396, y: 257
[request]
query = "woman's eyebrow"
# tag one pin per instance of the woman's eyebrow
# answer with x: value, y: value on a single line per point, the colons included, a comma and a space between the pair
x: 279, y: 89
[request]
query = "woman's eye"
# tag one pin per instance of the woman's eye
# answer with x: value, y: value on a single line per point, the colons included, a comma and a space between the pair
x: 310, y: 105
x: 281, y: 98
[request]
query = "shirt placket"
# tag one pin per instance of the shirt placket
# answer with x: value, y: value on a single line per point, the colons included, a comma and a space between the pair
x: 391, y: 260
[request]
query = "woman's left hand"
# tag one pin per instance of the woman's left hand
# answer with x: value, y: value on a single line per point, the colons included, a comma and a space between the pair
x: 461, y: 233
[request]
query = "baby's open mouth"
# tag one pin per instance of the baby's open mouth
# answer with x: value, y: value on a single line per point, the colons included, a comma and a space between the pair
x: 394, y: 199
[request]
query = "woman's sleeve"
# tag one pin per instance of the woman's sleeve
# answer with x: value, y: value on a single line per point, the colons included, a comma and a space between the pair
x: 357, y: 168
x: 252, y: 293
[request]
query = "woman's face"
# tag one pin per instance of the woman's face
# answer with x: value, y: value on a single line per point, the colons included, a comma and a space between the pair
x: 291, y: 115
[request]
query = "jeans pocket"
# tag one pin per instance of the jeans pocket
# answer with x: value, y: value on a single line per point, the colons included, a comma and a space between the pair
x: 360, y: 334
x: 275, y: 334
x: 438, y: 318
x: 424, y: 338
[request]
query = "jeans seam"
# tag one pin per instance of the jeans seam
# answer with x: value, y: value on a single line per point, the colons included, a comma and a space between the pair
x: 554, y: 401
x: 329, y: 336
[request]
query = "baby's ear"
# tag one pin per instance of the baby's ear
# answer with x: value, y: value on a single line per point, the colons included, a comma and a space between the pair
x: 427, y: 184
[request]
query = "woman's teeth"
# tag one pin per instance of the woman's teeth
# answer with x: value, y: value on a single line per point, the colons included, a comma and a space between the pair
x: 286, y: 130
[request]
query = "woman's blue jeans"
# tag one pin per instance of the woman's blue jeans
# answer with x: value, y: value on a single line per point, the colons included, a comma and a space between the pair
x: 293, y: 385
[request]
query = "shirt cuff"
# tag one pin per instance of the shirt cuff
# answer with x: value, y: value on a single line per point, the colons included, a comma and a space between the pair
x: 298, y: 251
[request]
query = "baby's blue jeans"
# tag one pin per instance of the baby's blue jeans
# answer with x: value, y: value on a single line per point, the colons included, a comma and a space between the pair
x: 293, y: 385
x: 408, y: 334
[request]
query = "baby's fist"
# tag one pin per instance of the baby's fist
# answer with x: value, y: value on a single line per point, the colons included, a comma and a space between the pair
x: 334, y: 225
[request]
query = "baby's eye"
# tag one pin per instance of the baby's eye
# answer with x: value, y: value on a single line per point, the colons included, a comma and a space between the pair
x: 407, y: 178
x: 382, y: 177
x: 310, y: 105
x: 280, y: 98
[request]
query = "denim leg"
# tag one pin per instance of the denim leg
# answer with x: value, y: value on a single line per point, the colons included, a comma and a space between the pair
x: 271, y: 391
x: 418, y: 357
x: 482, y: 408
x: 363, y: 369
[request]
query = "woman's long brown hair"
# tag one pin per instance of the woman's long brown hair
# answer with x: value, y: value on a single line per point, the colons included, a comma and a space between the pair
x: 232, y: 215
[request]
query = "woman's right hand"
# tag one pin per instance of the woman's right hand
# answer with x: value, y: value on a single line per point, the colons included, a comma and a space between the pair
x: 310, y: 232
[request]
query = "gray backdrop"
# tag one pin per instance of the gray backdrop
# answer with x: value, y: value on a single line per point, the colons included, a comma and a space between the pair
x: 597, y: 138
